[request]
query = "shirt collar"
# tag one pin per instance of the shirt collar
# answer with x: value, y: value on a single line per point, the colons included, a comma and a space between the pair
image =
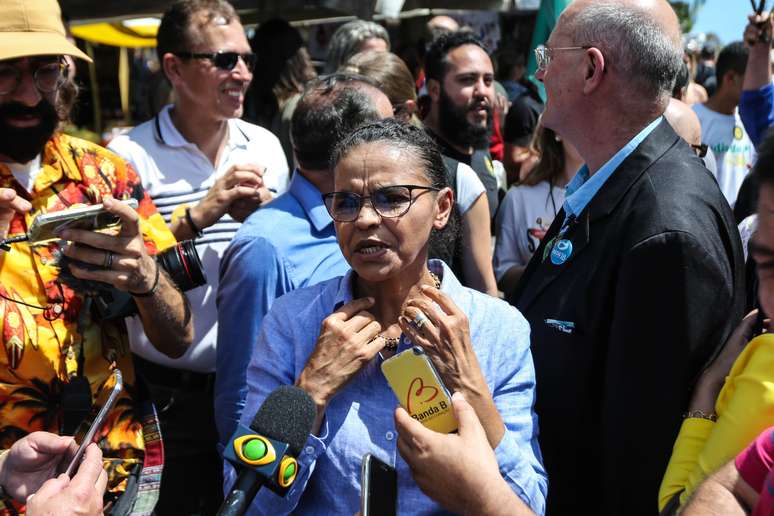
x: 583, y: 187
x: 449, y: 284
x: 310, y: 199
x: 169, y: 135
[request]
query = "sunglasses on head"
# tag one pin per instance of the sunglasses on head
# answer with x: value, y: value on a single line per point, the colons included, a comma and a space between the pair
x: 222, y: 60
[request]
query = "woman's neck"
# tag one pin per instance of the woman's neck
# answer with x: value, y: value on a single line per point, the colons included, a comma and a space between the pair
x: 390, y: 295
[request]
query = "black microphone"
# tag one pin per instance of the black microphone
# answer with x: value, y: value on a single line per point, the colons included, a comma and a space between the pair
x: 264, y: 454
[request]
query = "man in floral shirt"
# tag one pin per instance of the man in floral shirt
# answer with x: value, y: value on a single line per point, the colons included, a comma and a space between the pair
x: 53, y: 341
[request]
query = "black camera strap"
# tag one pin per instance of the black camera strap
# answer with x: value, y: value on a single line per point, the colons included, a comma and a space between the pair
x: 76, y: 393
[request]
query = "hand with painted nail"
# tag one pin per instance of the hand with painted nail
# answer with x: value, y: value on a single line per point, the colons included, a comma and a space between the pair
x: 347, y: 342
x: 10, y: 204
x: 435, y: 323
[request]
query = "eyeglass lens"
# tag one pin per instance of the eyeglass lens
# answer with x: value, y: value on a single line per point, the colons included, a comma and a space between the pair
x: 390, y: 202
x: 47, y: 77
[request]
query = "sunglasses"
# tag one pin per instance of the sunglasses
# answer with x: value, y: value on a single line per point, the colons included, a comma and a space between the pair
x: 222, y: 60
x: 389, y: 202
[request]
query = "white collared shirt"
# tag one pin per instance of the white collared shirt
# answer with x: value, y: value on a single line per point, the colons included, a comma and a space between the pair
x: 175, y: 172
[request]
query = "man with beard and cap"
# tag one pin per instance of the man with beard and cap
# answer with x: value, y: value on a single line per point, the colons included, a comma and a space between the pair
x: 640, y: 278
x: 460, y: 84
x: 59, y: 344
x: 207, y: 170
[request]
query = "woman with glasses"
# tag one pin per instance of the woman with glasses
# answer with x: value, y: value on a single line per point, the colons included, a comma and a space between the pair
x: 468, y: 249
x: 391, y: 193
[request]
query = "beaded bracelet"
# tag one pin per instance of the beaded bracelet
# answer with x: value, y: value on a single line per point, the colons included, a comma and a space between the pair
x: 155, y: 286
x: 700, y: 414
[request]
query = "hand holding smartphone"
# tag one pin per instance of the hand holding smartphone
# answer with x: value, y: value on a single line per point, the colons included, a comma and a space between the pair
x: 378, y: 488
x: 419, y: 389
x: 96, y: 425
x: 46, y: 225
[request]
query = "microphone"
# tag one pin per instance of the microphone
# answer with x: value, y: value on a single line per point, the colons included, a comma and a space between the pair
x: 264, y: 454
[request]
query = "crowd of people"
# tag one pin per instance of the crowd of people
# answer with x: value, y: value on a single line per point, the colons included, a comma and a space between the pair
x: 576, y: 264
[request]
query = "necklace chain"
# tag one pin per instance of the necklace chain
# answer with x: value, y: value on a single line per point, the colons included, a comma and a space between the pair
x: 391, y: 343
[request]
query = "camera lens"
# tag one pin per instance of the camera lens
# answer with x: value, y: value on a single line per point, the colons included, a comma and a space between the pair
x: 183, y: 265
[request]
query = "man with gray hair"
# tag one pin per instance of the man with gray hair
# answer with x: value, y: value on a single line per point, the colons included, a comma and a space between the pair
x: 353, y: 37
x: 639, y: 279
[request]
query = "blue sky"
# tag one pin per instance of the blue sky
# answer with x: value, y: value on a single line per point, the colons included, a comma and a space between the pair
x: 726, y: 18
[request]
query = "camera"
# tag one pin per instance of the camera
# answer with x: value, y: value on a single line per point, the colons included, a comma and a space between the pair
x: 181, y: 262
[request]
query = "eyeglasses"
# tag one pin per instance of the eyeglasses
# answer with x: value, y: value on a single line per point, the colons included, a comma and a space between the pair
x: 700, y: 150
x: 47, y: 78
x: 389, y: 202
x: 222, y: 60
x: 544, y: 54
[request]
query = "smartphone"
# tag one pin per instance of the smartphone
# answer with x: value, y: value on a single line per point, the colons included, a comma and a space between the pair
x: 105, y: 401
x: 419, y: 389
x: 378, y: 488
x: 46, y: 225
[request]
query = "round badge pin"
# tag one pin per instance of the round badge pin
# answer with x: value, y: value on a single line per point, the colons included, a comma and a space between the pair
x: 561, y: 252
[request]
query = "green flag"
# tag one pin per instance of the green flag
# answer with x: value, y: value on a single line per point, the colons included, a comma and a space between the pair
x: 547, y: 16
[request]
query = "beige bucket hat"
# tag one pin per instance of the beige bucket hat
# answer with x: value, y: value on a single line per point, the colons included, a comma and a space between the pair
x: 33, y: 28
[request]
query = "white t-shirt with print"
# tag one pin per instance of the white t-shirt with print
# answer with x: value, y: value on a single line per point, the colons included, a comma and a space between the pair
x: 469, y: 187
x: 523, y: 219
x: 734, y: 152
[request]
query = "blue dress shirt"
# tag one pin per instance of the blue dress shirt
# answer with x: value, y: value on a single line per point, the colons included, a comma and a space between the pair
x: 359, y: 419
x: 582, y: 188
x: 288, y: 244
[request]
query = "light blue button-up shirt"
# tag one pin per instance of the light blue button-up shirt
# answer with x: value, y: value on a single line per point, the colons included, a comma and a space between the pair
x: 359, y: 419
x: 288, y: 244
x: 582, y: 188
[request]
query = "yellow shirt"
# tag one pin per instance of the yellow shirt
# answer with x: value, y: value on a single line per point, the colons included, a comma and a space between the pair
x: 745, y: 408
x: 41, y: 347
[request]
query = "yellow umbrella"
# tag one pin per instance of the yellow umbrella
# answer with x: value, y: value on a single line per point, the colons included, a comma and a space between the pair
x: 139, y: 33
x: 123, y: 34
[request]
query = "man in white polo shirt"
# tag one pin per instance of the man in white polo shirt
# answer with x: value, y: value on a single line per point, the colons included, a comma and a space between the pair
x: 206, y: 170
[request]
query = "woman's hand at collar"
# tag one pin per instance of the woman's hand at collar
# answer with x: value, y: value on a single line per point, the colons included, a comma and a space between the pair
x: 347, y: 342
x: 445, y: 337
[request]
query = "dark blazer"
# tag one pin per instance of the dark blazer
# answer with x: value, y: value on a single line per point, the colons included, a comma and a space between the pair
x: 654, y: 285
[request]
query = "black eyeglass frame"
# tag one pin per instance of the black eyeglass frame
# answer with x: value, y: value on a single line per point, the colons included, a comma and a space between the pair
x: 62, y: 78
x: 328, y: 199
x: 223, y: 60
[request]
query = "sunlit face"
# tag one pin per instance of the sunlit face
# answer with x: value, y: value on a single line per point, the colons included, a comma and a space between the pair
x: 215, y: 92
x: 469, y: 83
x: 558, y: 79
x: 762, y: 247
x: 380, y: 248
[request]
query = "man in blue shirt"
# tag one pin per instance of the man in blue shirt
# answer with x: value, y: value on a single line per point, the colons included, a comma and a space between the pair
x: 291, y: 242
x: 640, y: 277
